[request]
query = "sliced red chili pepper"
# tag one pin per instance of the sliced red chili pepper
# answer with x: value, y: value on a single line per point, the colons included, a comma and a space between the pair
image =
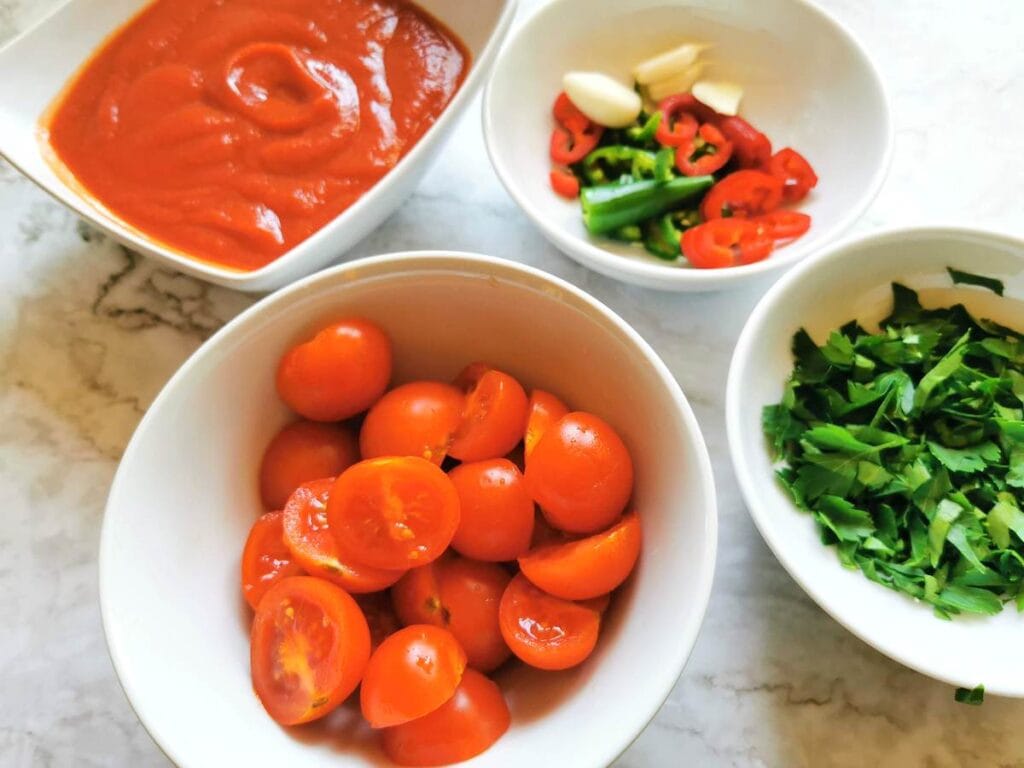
x: 679, y: 123
x: 743, y: 194
x: 687, y: 102
x: 725, y: 243
x: 568, y: 114
x: 565, y: 183
x: 706, y: 154
x: 751, y: 148
x: 797, y: 176
x: 568, y: 148
x: 784, y: 225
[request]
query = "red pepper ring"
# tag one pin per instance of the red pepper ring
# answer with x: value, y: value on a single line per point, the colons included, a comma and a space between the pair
x: 568, y: 114
x: 565, y: 183
x: 751, y: 148
x: 726, y: 243
x: 571, y: 147
x: 743, y: 195
x: 678, y: 124
x: 797, y: 176
x: 696, y: 159
x: 784, y: 225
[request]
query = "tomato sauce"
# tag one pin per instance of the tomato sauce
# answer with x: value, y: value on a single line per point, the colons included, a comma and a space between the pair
x: 232, y: 130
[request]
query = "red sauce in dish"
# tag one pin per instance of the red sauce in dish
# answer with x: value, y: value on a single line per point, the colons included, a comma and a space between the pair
x: 232, y: 130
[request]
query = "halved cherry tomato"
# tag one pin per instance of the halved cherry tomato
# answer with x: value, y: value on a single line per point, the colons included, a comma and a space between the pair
x: 742, y: 195
x: 493, y: 415
x: 393, y: 512
x: 304, y: 451
x: 380, y: 616
x: 416, y: 419
x: 464, y: 726
x: 413, y: 672
x: 544, y: 409
x: 580, y: 473
x: 797, y: 176
x: 681, y: 115
x: 568, y: 114
x: 310, y: 645
x: 704, y: 154
x: 496, y: 511
x: 265, y: 559
x: 726, y: 243
x: 568, y: 147
x: 338, y: 373
x: 470, y: 375
x: 308, y: 537
x: 462, y: 596
x: 784, y: 225
x: 565, y: 183
x: 544, y: 631
x: 587, y: 568
x: 751, y: 148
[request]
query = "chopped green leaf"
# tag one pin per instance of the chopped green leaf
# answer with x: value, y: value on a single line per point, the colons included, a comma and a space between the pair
x: 966, y: 278
x: 973, y: 696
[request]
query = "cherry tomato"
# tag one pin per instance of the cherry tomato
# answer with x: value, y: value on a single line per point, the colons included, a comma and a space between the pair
x: 496, y: 511
x: 587, y: 568
x: 726, y: 243
x: 544, y: 409
x: 599, y: 603
x: 413, y: 672
x: 784, y: 225
x: 464, y: 726
x: 797, y: 176
x: 338, y: 373
x: 706, y: 153
x: 493, y: 417
x: 580, y: 473
x: 304, y: 451
x: 568, y: 114
x: 546, y: 632
x: 462, y: 596
x: 308, y: 536
x: 393, y: 512
x: 310, y: 645
x: 742, y: 195
x: 380, y: 616
x: 265, y: 559
x: 750, y: 147
x: 565, y: 183
x: 416, y: 419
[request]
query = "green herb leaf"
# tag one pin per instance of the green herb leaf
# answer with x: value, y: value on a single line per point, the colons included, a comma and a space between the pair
x: 973, y: 696
x: 966, y: 278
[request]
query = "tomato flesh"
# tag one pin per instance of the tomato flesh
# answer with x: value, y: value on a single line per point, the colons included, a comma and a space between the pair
x: 265, y: 559
x: 726, y: 243
x: 304, y: 451
x: 496, y: 512
x: 743, y: 194
x: 464, y: 726
x: 543, y: 410
x: 415, y: 419
x: 309, y: 647
x: 493, y: 418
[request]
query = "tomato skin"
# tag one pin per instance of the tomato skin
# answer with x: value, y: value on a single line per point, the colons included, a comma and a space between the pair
x: 297, y: 617
x: 308, y: 537
x: 265, y: 559
x: 380, y: 616
x: 493, y: 417
x: 543, y: 410
x: 587, y: 568
x: 496, y: 511
x: 338, y: 373
x: 466, y: 725
x: 580, y: 473
x: 544, y: 631
x: 742, y: 195
x: 726, y: 243
x: 393, y: 512
x: 751, y: 148
x: 304, y: 451
x: 412, y: 673
x: 462, y: 596
x: 796, y: 174
x: 415, y: 419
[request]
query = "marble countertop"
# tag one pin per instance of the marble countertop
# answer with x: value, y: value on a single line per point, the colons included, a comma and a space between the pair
x: 89, y: 333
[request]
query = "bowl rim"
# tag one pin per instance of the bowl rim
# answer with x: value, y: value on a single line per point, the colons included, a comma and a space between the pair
x: 672, y: 277
x: 97, y: 215
x: 772, y: 303
x: 441, y: 260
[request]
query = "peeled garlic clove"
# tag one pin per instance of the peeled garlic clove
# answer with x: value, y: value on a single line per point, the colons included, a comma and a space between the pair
x: 668, y: 64
x: 678, y: 83
x: 722, y: 96
x: 604, y: 100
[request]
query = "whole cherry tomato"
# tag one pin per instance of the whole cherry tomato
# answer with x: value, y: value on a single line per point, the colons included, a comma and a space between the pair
x: 338, y: 373
x: 543, y: 410
x: 416, y: 419
x: 265, y: 559
x: 496, y: 511
x: 304, y: 451
x: 493, y: 415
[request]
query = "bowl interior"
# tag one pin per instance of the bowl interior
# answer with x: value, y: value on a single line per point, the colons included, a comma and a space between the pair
x: 853, y: 281
x: 185, y: 496
x: 823, y: 110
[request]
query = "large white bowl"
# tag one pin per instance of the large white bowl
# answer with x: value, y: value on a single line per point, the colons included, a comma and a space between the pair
x: 808, y: 84
x: 852, y: 281
x: 185, y: 496
x: 37, y: 65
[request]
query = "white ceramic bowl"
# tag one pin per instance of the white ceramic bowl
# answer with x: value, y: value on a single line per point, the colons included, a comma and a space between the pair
x: 185, y: 496
x: 37, y: 65
x: 808, y: 84
x: 852, y: 281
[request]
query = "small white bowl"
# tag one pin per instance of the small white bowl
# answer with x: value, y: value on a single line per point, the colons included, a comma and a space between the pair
x: 852, y: 280
x: 808, y: 84
x: 37, y: 65
x: 185, y: 496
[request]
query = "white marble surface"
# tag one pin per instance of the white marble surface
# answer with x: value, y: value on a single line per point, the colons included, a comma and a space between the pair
x: 89, y: 333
